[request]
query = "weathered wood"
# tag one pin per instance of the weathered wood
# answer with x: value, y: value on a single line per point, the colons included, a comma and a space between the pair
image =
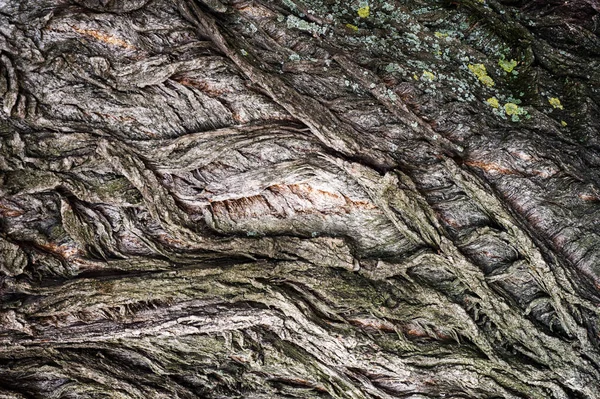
x: 260, y: 199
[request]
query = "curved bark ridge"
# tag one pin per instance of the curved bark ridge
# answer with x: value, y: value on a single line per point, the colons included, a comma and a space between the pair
x: 267, y: 199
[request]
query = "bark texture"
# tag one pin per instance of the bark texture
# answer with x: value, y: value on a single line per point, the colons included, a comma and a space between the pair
x: 298, y: 198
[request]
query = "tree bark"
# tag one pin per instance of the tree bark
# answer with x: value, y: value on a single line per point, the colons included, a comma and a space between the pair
x: 298, y: 198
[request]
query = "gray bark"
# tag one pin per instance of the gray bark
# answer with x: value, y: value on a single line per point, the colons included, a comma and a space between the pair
x: 309, y: 199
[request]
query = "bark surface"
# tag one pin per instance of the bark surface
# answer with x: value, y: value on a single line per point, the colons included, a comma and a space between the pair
x: 298, y: 198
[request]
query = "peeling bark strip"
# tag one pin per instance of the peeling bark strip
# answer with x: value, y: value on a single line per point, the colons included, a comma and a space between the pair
x: 298, y: 198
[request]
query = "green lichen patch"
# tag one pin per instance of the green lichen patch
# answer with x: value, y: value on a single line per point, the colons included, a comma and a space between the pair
x: 481, y: 73
x: 293, y: 22
x: 511, y: 109
x: 364, y: 11
x: 428, y: 76
x: 514, y: 111
x: 508, y: 66
x: 493, y: 102
x: 555, y: 102
x: 392, y: 67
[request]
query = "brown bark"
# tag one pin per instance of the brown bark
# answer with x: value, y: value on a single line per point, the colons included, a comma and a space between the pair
x: 259, y: 199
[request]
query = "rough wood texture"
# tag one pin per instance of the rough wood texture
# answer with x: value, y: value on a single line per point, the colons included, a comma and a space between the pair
x: 297, y: 198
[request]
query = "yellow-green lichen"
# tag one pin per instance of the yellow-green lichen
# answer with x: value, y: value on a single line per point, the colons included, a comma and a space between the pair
x: 555, y: 102
x: 364, y: 11
x: 508, y: 66
x: 563, y: 123
x: 428, y: 76
x: 352, y: 27
x: 440, y: 35
x: 481, y: 73
x: 493, y: 101
x: 513, y: 110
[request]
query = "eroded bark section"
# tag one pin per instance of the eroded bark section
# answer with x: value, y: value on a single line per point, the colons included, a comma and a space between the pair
x: 286, y: 199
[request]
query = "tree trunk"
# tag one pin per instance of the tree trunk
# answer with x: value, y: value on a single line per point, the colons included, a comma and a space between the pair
x: 298, y: 198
